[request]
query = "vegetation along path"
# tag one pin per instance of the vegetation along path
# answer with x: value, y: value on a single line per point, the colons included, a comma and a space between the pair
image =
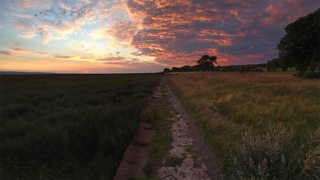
x: 189, y: 157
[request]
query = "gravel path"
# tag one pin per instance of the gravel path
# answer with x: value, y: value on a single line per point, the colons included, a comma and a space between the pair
x: 189, y: 157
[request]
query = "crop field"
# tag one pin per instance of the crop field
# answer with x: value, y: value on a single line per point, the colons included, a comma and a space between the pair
x: 262, y: 125
x: 68, y: 126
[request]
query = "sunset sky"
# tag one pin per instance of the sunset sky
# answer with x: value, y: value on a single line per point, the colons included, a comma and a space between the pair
x: 116, y: 36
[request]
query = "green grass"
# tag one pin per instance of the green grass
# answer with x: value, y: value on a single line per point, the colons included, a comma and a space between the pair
x: 161, y: 141
x: 173, y: 161
x: 68, y: 126
x: 237, y: 110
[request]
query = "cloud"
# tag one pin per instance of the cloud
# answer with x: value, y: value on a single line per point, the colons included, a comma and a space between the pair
x: 279, y: 13
x: 56, y: 19
x: 179, y: 32
x: 112, y: 59
x: 18, y: 50
x: 99, y: 33
x: 122, y: 26
x: 73, y: 57
x: 42, y: 52
x: 27, y: 35
x: 123, y: 30
x: 5, y: 53
x: 45, y: 35
x: 20, y: 15
x: 23, y: 25
x: 120, y: 60
x: 63, y: 56
x: 15, y: 51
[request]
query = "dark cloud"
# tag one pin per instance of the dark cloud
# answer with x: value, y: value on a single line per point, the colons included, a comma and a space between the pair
x: 237, y: 31
x: 5, y: 53
x: 63, y: 56
x: 111, y: 59
x: 20, y: 50
x: 119, y: 60
x: 15, y: 51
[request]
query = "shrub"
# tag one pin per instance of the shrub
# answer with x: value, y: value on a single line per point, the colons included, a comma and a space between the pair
x: 274, y: 155
x: 312, y: 157
x: 312, y: 75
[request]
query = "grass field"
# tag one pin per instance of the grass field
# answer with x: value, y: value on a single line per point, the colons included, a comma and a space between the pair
x: 68, y: 126
x: 262, y: 125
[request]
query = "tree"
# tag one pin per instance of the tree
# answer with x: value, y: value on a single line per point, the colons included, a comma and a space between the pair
x: 166, y: 70
x: 213, y: 59
x: 206, y: 62
x: 272, y: 65
x: 175, y: 69
x: 186, y: 69
x: 301, y: 44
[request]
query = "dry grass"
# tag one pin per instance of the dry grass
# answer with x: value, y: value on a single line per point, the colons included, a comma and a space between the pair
x: 227, y: 105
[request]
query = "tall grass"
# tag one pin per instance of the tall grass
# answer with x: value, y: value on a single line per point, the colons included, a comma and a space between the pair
x: 229, y: 106
x: 68, y: 126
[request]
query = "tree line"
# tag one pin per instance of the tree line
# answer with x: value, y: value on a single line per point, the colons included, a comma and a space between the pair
x: 205, y: 63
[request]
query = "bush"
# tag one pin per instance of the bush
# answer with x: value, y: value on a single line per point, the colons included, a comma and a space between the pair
x: 312, y: 75
x: 274, y: 155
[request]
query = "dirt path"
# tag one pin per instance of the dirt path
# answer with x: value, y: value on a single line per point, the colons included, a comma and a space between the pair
x: 189, y: 157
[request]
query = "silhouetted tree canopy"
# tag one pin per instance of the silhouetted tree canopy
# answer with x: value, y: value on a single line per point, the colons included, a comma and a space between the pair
x: 301, y: 44
x: 166, y: 70
x: 206, y: 62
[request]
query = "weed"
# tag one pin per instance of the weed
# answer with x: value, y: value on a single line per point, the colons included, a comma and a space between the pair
x: 173, y: 161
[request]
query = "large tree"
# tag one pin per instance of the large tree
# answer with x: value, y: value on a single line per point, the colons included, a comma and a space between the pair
x: 301, y: 44
x: 206, y: 62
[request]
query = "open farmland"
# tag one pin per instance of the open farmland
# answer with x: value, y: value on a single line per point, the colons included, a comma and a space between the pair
x: 262, y: 125
x: 68, y: 126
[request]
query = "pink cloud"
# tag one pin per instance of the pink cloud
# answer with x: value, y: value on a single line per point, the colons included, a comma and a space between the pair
x: 281, y: 12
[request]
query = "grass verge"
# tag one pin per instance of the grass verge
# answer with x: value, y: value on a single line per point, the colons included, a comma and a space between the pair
x: 162, y: 139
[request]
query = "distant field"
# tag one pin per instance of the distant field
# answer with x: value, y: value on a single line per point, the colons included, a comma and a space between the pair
x: 68, y: 126
x: 263, y: 125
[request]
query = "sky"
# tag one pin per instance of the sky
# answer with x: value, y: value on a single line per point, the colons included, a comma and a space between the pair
x: 125, y: 36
